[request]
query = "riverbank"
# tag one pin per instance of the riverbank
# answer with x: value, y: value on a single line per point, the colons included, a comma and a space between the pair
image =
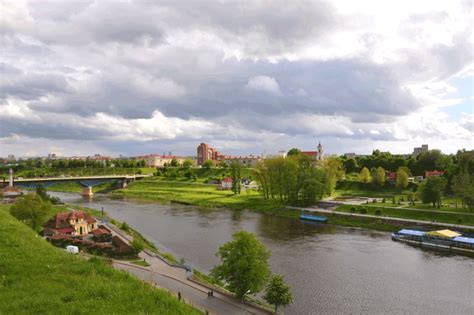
x: 36, y: 277
x: 208, y: 196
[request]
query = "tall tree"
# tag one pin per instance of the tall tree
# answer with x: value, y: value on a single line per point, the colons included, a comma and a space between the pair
x: 41, y: 192
x: 364, y: 175
x: 334, y: 171
x: 31, y: 209
x: 294, y: 151
x: 277, y: 292
x: 402, y: 178
x: 235, y: 169
x: 431, y: 190
x: 244, y: 264
x: 379, y: 177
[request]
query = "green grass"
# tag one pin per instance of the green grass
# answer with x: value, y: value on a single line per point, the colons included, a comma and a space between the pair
x: 37, y: 278
x: 196, y: 194
x: 77, y: 188
x: 412, y: 214
x: 140, y: 263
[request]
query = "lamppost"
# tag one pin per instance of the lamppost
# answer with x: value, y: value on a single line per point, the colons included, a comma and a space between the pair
x: 243, y: 296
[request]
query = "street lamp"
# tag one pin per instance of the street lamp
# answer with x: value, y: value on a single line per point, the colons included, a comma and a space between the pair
x: 248, y: 291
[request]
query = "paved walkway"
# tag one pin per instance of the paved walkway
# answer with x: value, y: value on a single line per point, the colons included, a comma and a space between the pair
x: 174, y: 279
x: 453, y: 226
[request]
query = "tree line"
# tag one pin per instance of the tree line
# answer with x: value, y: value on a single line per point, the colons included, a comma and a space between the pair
x: 298, y: 179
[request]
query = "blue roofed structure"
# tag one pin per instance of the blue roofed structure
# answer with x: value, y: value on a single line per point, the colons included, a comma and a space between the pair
x: 462, y: 239
x: 411, y: 232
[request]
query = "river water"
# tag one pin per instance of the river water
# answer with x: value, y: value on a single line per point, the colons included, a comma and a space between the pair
x: 331, y: 269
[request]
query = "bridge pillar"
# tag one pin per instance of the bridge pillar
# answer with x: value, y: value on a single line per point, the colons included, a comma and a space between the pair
x: 87, y: 192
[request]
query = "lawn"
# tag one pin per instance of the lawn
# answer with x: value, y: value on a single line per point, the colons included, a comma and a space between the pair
x: 37, y: 278
x: 197, y: 194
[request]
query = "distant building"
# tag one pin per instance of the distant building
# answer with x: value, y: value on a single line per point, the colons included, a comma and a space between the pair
x: 279, y: 154
x: 433, y: 173
x: 418, y: 150
x: 315, y: 154
x: 156, y: 160
x: 206, y: 153
x: 246, y: 161
x: 226, y: 183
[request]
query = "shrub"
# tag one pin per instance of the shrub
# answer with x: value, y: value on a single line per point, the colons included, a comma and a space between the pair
x: 383, y: 200
x: 393, y: 200
x: 459, y: 220
x: 363, y: 210
x: 137, y: 245
x: 401, y: 198
x: 399, y: 202
x: 374, y: 200
x: 125, y: 227
x: 378, y: 212
x: 353, y: 209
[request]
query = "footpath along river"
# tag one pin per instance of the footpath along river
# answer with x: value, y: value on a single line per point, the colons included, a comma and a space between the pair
x: 331, y: 269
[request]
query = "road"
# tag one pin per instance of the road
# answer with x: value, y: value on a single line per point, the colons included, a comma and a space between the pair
x: 174, y: 279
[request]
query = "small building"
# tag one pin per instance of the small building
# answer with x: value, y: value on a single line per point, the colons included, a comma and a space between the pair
x: 434, y: 173
x: 102, y: 235
x: 10, y: 193
x: 156, y: 160
x: 226, y: 183
x: 75, y: 223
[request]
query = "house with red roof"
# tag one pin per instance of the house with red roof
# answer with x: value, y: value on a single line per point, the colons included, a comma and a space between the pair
x: 74, y: 223
x: 226, y: 183
x: 434, y: 173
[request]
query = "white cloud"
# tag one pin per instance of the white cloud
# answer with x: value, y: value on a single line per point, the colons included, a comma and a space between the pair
x: 264, y: 83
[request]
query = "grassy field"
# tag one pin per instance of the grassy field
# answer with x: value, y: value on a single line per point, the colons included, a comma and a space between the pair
x: 37, y: 278
x: 453, y: 218
x: 196, y: 194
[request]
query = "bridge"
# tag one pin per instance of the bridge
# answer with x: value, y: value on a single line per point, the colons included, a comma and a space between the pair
x: 87, y: 182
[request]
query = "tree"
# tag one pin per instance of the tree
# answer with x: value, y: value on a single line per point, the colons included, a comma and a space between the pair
x: 41, y: 192
x: 174, y: 162
x: 350, y: 165
x: 431, y: 190
x: 137, y: 245
x: 31, y: 209
x: 379, y: 177
x: 236, y: 178
x: 334, y: 171
x: 187, y: 163
x: 244, y: 264
x: 207, y: 164
x: 402, y: 178
x: 459, y: 185
x: 364, y: 175
x: 294, y: 151
x: 277, y: 292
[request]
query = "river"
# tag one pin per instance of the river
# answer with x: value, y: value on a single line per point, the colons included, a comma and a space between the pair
x: 331, y: 269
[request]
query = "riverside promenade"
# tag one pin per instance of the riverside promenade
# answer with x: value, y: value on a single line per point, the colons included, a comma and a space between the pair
x: 393, y: 219
x: 175, y: 280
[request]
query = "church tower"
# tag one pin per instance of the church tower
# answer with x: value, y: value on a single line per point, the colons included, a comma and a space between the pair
x: 320, y: 151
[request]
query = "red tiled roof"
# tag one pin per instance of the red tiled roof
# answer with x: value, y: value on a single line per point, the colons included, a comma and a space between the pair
x: 310, y: 153
x: 60, y: 237
x: 61, y: 220
x: 98, y: 232
x: 66, y: 230
x: 228, y: 180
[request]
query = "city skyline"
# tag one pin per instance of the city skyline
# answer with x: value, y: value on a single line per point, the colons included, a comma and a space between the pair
x: 133, y: 78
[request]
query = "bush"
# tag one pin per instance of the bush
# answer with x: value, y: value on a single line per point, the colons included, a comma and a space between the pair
x: 374, y: 200
x: 378, y: 212
x: 459, y: 220
x: 125, y: 227
x: 353, y: 209
x: 383, y: 200
x: 393, y: 200
x: 137, y: 245
x: 363, y: 210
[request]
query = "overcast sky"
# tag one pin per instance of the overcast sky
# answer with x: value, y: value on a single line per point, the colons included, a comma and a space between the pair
x: 132, y: 77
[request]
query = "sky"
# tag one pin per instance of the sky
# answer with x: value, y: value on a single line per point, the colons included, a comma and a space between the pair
x: 247, y: 77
